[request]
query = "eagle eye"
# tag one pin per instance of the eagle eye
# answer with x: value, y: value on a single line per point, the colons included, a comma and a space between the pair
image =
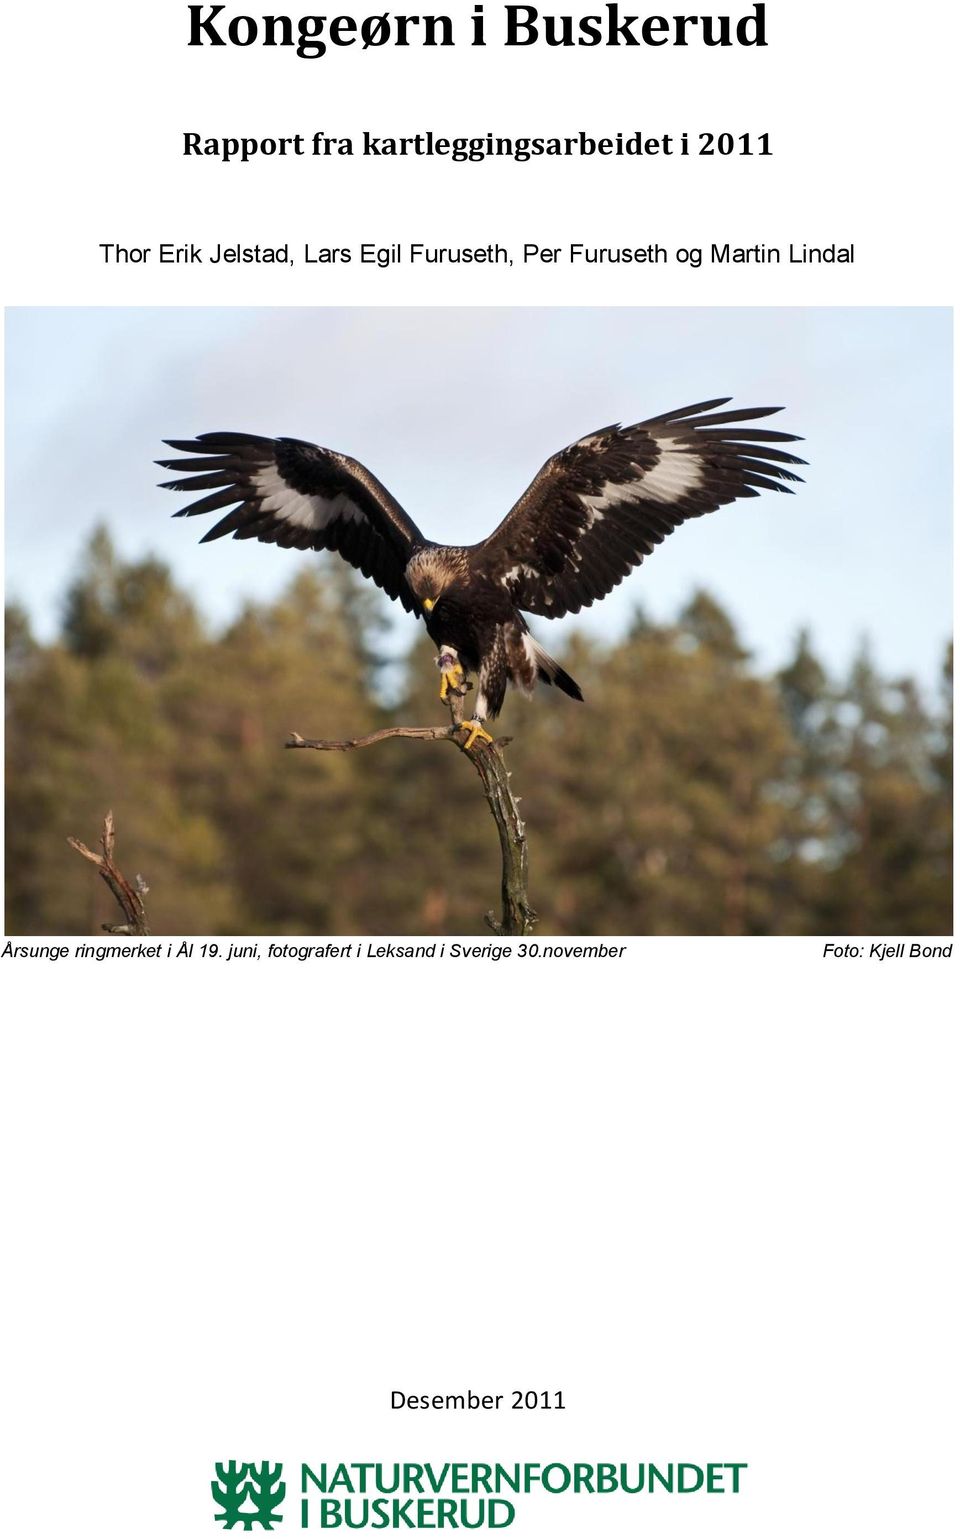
x: 428, y: 604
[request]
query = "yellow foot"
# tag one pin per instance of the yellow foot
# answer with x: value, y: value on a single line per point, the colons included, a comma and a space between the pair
x: 451, y: 678
x: 475, y: 730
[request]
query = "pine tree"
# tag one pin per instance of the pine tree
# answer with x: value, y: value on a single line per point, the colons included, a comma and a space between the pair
x: 894, y: 875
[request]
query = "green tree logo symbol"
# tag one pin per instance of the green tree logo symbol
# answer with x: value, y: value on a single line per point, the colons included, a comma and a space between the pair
x: 248, y: 1494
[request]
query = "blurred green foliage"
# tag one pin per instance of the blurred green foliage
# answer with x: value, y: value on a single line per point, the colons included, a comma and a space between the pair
x: 690, y: 795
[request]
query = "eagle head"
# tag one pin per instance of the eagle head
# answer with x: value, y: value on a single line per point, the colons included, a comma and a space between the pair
x: 430, y: 572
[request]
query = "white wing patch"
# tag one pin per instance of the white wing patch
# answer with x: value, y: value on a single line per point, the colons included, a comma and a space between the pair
x: 304, y: 512
x: 676, y: 473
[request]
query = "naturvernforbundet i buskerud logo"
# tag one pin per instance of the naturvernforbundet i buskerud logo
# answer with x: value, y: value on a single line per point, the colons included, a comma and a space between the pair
x: 249, y: 1494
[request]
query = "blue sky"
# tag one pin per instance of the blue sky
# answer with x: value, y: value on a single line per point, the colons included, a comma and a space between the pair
x: 456, y: 409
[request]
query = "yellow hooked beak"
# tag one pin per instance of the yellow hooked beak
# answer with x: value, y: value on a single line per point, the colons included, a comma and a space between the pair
x: 428, y: 604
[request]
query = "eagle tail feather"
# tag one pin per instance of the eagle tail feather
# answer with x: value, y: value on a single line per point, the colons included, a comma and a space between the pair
x: 550, y: 672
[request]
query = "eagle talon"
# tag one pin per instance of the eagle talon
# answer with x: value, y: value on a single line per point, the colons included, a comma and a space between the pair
x: 451, y: 678
x: 475, y: 730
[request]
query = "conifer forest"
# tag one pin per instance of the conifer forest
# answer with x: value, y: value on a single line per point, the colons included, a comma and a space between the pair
x: 692, y: 794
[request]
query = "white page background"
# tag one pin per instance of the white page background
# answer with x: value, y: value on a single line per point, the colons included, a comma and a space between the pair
x: 708, y: 1194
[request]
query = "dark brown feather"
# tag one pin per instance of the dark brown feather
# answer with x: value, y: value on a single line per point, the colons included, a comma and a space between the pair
x: 597, y: 508
x: 264, y: 481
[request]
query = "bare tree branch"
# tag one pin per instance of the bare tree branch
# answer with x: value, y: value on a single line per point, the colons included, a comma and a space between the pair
x: 517, y: 917
x: 130, y: 898
x: 334, y: 745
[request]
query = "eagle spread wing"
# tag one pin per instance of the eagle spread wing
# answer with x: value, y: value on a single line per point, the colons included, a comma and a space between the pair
x: 597, y: 508
x: 287, y: 492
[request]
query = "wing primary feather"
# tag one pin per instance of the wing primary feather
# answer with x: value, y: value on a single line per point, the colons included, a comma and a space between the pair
x: 761, y: 435
x: 229, y: 524
x: 244, y: 443
x: 210, y: 504
x: 683, y: 411
x: 780, y: 455
x: 745, y: 414
x: 769, y: 470
x: 771, y: 486
x: 194, y: 462
x: 199, y: 483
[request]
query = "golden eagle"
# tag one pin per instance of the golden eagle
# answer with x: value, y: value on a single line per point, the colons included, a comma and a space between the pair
x: 593, y: 512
